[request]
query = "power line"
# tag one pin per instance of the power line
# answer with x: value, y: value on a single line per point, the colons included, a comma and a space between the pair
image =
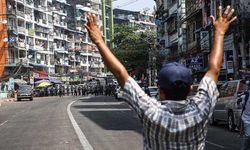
x: 127, y: 3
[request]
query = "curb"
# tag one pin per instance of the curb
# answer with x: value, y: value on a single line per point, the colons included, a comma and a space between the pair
x: 10, y: 100
x: 7, y: 100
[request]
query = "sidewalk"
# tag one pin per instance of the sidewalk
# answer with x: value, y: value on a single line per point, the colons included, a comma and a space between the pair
x: 6, y: 100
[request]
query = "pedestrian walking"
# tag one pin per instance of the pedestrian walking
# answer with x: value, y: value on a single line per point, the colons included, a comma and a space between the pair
x: 79, y: 90
x: 60, y: 91
x: 72, y: 90
x: 67, y: 90
x: 245, y: 117
x: 174, y: 122
x: 75, y: 91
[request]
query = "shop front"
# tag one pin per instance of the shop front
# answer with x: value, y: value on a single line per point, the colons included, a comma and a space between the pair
x: 197, y: 66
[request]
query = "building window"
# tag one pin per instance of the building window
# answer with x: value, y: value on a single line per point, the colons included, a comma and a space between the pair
x: 172, y: 2
x: 191, y: 36
x: 172, y: 26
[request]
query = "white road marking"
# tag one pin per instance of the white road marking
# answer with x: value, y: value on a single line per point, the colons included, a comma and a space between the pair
x: 214, y: 144
x: 3, y: 123
x: 105, y: 109
x: 101, y: 103
x: 85, y: 143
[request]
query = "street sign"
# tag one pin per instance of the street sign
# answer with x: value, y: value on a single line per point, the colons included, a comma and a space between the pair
x: 230, y: 67
x: 205, y: 41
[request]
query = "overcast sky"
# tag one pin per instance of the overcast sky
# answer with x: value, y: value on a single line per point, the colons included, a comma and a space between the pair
x: 138, y: 5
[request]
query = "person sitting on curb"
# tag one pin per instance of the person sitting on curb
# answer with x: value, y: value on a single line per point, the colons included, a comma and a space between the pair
x: 175, y: 122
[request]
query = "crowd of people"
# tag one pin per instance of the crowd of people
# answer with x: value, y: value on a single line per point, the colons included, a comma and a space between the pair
x: 76, y: 90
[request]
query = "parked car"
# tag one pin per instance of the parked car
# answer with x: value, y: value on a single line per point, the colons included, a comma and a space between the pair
x: 24, y: 92
x: 227, y: 109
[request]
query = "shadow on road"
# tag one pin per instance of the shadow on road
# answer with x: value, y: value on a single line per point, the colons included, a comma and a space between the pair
x: 109, y: 113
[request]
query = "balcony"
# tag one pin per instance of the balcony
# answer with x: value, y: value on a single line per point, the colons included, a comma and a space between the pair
x: 31, y: 32
x: 70, y: 38
x: 58, y: 36
x: 60, y: 12
x: 21, y: 45
x: 21, y: 30
x: 31, y: 46
x: 41, y: 22
x: 38, y: 47
x: 20, y: 13
x: 39, y: 7
x: 10, y: 9
x: 12, y: 27
x: 28, y: 17
x: 13, y: 60
x: 193, y: 6
x: 20, y: 1
x: 30, y: 3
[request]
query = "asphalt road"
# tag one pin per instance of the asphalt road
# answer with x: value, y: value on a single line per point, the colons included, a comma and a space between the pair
x: 107, y: 124
x: 42, y: 124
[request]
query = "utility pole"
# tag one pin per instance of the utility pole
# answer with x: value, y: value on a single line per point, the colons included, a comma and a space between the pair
x: 236, y: 33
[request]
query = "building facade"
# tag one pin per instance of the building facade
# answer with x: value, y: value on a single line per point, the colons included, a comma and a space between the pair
x: 107, y: 20
x: 143, y: 20
x: 195, y: 36
x: 48, y: 38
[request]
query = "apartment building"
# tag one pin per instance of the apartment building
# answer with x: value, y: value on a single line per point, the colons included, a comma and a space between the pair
x: 49, y: 38
x: 168, y: 29
x: 143, y: 20
x: 195, y: 35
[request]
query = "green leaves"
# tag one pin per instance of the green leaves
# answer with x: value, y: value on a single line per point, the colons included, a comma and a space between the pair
x: 133, y: 48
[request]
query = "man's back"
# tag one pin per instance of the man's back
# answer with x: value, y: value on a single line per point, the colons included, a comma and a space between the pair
x: 173, y: 124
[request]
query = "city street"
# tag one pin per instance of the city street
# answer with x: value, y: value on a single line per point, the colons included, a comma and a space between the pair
x: 105, y: 124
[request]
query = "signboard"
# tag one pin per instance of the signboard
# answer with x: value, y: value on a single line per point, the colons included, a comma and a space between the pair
x: 230, y: 67
x: 205, y: 41
x: 196, y: 63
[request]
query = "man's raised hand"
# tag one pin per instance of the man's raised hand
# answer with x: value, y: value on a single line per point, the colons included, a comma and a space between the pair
x: 222, y: 23
x: 93, y: 29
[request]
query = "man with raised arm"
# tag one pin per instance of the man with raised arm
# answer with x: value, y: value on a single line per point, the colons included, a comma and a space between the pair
x: 175, y: 122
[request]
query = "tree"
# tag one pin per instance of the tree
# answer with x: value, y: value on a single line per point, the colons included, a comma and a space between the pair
x: 132, y: 47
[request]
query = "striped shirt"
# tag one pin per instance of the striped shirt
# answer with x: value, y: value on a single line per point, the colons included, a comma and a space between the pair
x: 173, y: 124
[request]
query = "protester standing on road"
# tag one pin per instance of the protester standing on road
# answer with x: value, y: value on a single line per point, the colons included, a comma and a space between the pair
x: 246, y: 120
x: 173, y: 123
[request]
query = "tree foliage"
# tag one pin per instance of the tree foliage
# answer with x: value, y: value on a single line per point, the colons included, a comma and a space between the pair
x: 133, y: 48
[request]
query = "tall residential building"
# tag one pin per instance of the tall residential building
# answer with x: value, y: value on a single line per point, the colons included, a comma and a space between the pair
x: 195, y: 36
x: 48, y: 38
x: 107, y: 20
x: 143, y: 20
